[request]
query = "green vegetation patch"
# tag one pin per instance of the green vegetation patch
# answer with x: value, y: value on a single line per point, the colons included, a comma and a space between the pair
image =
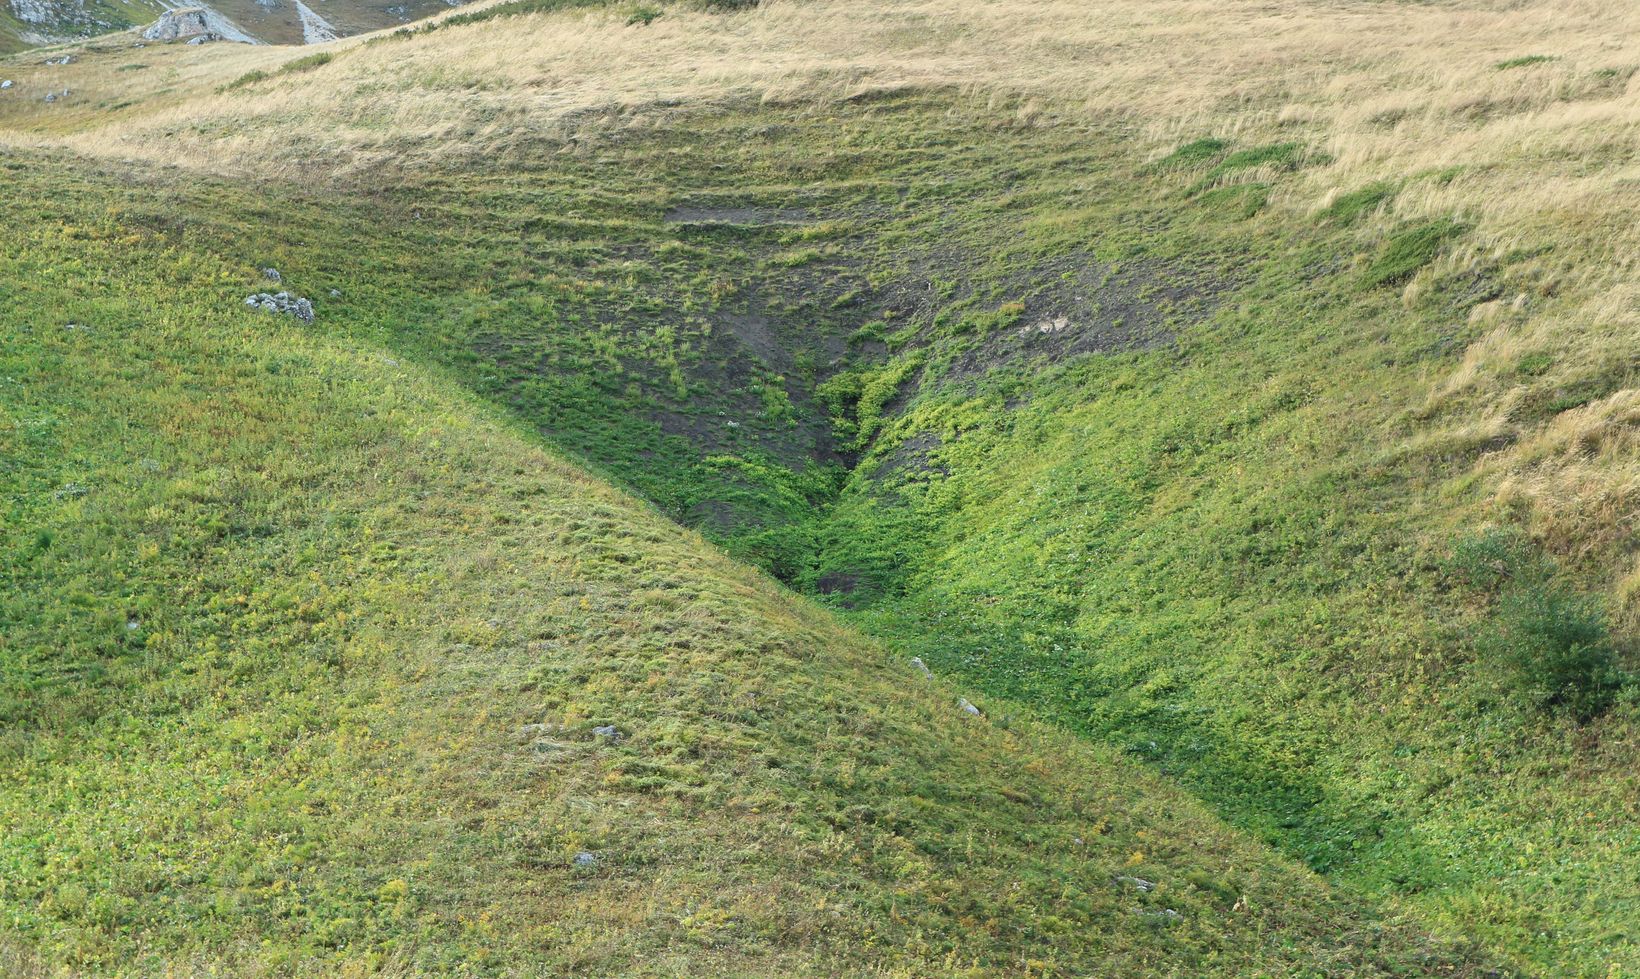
x: 1196, y: 153
x: 1408, y: 250
x: 1525, y: 61
x: 293, y: 67
x: 1280, y: 157
x: 1237, y: 201
x: 1550, y: 648
x: 1349, y: 208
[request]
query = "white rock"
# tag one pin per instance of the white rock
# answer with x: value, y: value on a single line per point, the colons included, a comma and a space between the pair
x: 283, y: 302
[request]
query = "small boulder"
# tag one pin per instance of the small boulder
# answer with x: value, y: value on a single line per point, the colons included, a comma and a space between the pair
x: 1144, y: 885
x: 282, y: 302
x: 585, y: 860
x: 968, y: 708
x: 530, y: 732
x: 609, y: 731
x: 5, y: 84
x: 922, y: 667
x: 272, y: 275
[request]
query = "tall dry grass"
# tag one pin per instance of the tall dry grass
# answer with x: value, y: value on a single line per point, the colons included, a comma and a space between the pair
x: 1388, y: 90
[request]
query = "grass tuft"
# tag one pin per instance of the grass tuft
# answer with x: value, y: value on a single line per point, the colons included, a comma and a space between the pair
x: 1408, y: 250
x: 1524, y: 61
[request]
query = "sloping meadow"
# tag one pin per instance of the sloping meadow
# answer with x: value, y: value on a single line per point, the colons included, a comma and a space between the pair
x: 1251, y: 399
x: 314, y: 664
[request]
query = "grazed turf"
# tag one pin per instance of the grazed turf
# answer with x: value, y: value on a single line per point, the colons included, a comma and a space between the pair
x: 280, y: 603
x: 1200, y: 521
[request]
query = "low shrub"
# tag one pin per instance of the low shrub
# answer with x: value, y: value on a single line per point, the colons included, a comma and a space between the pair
x: 308, y: 63
x: 248, y: 78
x: 1554, y: 650
x: 1490, y: 561
x: 1550, y: 647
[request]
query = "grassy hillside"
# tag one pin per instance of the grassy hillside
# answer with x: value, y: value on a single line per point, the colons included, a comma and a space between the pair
x: 1248, y: 389
x: 26, y: 24
x: 280, y: 609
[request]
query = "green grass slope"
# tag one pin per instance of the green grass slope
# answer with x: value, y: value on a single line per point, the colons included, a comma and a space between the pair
x: 1303, y: 481
x: 1156, y: 538
x: 1265, y: 558
x: 278, y: 606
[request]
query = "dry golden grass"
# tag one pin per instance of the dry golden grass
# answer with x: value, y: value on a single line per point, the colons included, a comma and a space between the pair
x: 1388, y: 90
x: 1385, y: 88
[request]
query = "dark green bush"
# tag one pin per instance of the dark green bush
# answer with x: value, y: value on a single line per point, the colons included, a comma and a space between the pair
x: 307, y: 63
x: 1534, y: 364
x: 1550, y: 647
x: 1554, y: 650
x: 1282, y: 156
x: 1489, y: 561
x: 1237, y: 201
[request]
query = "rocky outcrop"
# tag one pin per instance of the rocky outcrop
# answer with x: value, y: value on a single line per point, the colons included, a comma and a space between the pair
x: 282, y: 302
x: 41, y: 11
x: 51, y: 21
x: 195, y: 23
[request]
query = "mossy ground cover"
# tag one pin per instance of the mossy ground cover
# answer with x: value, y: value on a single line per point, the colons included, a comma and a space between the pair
x: 1200, y: 519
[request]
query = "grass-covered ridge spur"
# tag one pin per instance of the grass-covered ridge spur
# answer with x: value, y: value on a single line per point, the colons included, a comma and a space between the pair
x: 1234, y: 404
